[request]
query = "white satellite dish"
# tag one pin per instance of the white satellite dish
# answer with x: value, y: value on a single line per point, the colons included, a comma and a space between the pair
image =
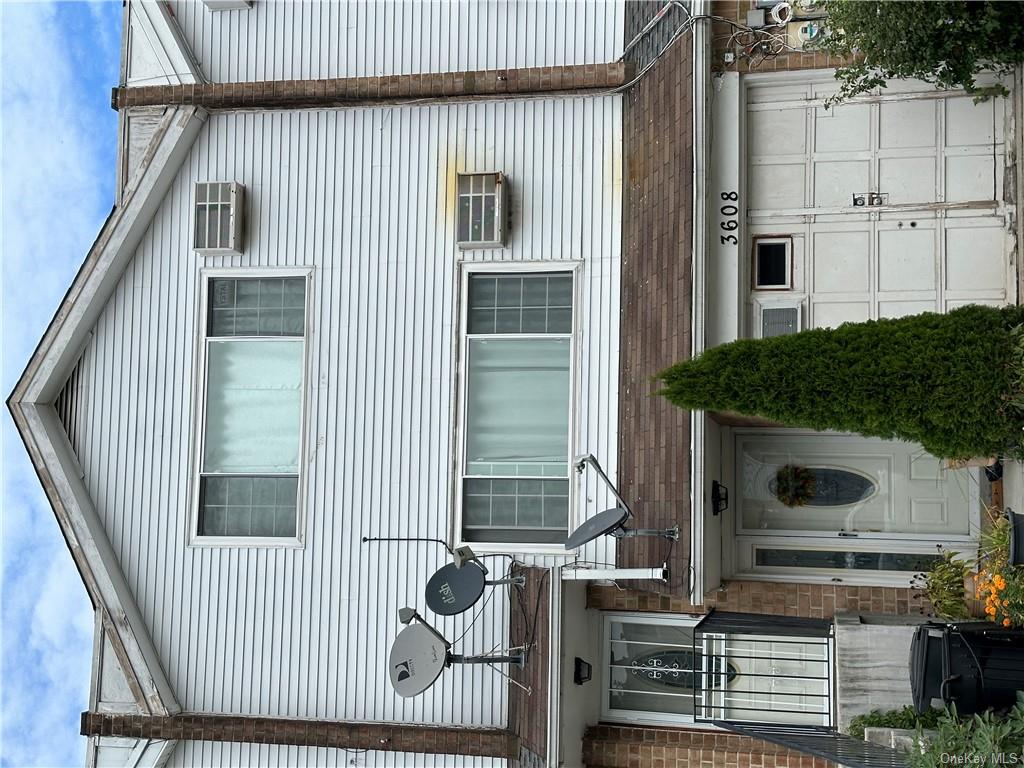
x: 417, y: 658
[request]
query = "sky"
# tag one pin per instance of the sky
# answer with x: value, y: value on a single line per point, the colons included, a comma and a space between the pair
x: 58, y: 141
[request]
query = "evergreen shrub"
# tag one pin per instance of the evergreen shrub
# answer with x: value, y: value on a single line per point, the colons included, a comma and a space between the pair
x: 951, y: 382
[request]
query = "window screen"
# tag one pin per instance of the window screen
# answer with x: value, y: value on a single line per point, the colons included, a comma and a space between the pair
x: 253, y: 407
x: 518, y: 372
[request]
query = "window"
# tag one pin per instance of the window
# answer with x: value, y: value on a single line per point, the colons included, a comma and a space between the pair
x: 481, y: 206
x: 219, y: 217
x: 252, y: 409
x: 772, y: 269
x: 518, y: 347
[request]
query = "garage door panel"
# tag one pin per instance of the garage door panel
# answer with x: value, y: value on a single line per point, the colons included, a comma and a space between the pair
x: 971, y: 178
x: 841, y: 262
x: 906, y: 260
x: 974, y: 259
x: 776, y: 186
x: 833, y: 314
x: 969, y: 124
x: 842, y: 129
x: 905, y: 308
x: 771, y: 131
x: 835, y: 182
x: 907, y: 179
x: 906, y: 124
x: 922, y: 152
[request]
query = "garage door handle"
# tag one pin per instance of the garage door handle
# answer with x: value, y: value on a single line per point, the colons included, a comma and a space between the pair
x: 848, y: 534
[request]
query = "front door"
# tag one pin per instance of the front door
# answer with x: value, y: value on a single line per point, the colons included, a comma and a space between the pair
x: 817, y: 504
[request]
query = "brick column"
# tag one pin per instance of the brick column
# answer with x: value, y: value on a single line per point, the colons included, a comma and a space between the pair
x: 383, y: 737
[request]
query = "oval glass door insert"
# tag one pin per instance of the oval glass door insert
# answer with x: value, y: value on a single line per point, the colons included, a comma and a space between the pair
x: 673, y: 669
x: 799, y: 486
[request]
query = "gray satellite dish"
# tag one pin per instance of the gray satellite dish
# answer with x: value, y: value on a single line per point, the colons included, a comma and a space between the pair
x: 417, y: 658
x: 452, y: 590
x: 600, y: 524
x: 612, y: 522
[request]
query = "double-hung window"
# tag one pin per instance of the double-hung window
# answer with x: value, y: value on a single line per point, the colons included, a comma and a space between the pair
x: 516, y: 419
x: 252, y: 407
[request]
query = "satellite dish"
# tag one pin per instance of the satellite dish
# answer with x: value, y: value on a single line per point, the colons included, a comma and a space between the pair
x: 600, y: 524
x: 452, y: 590
x: 417, y: 658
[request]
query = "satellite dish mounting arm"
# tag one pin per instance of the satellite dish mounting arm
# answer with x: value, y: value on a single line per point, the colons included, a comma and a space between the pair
x: 580, y: 463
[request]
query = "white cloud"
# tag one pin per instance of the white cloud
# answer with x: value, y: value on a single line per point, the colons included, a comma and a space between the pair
x: 58, y: 133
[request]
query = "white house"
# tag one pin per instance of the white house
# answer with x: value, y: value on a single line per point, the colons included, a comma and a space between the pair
x: 386, y: 271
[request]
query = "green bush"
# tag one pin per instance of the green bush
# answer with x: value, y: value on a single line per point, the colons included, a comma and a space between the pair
x: 977, y: 740
x: 945, y: 43
x: 906, y: 718
x: 947, y: 381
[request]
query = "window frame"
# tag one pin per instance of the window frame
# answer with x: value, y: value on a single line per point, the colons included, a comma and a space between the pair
x: 466, y: 270
x: 787, y: 241
x: 200, y: 365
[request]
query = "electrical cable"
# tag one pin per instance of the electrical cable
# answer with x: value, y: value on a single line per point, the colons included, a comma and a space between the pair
x: 480, y: 610
x: 444, y: 544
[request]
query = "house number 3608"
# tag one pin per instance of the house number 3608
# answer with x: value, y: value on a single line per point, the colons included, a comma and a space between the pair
x: 729, y: 212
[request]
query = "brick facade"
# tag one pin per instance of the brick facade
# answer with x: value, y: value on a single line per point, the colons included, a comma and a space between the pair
x: 528, y: 712
x: 350, y: 91
x: 812, y: 601
x: 654, y: 436
x: 449, y: 740
x: 610, y: 746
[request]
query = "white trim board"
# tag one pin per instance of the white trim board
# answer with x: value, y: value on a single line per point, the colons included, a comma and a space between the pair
x: 31, y: 405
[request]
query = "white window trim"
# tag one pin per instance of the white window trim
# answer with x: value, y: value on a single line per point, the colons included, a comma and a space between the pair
x: 632, y: 716
x: 466, y: 269
x: 199, y: 415
x: 785, y: 240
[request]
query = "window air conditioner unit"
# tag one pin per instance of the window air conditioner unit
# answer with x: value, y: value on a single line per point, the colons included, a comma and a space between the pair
x: 219, y: 214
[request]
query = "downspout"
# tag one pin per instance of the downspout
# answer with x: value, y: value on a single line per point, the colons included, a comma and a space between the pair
x: 701, y: 57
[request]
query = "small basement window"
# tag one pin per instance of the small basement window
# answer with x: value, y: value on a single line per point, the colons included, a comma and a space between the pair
x: 218, y: 227
x: 773, y: 263
x: 481, y: 210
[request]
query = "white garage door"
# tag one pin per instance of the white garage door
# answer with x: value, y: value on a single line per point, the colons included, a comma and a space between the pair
x: 928, y: 167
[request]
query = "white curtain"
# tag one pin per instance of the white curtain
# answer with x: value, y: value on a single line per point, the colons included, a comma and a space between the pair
x: 253, y: 406
x: 518, y: 407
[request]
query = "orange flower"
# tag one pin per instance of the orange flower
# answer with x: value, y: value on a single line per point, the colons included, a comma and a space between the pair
x: 999, y: 581
x: 1005, y: 603
x: 990, y: 610
x: 1006, y: 622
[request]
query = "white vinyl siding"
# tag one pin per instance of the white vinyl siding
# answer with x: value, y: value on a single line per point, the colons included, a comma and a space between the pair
x: 365, y: 200
x: 285, y: 40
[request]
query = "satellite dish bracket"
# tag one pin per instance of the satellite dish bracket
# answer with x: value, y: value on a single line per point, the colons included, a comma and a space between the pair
x: 580, y: 463
x: 628, y: 533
